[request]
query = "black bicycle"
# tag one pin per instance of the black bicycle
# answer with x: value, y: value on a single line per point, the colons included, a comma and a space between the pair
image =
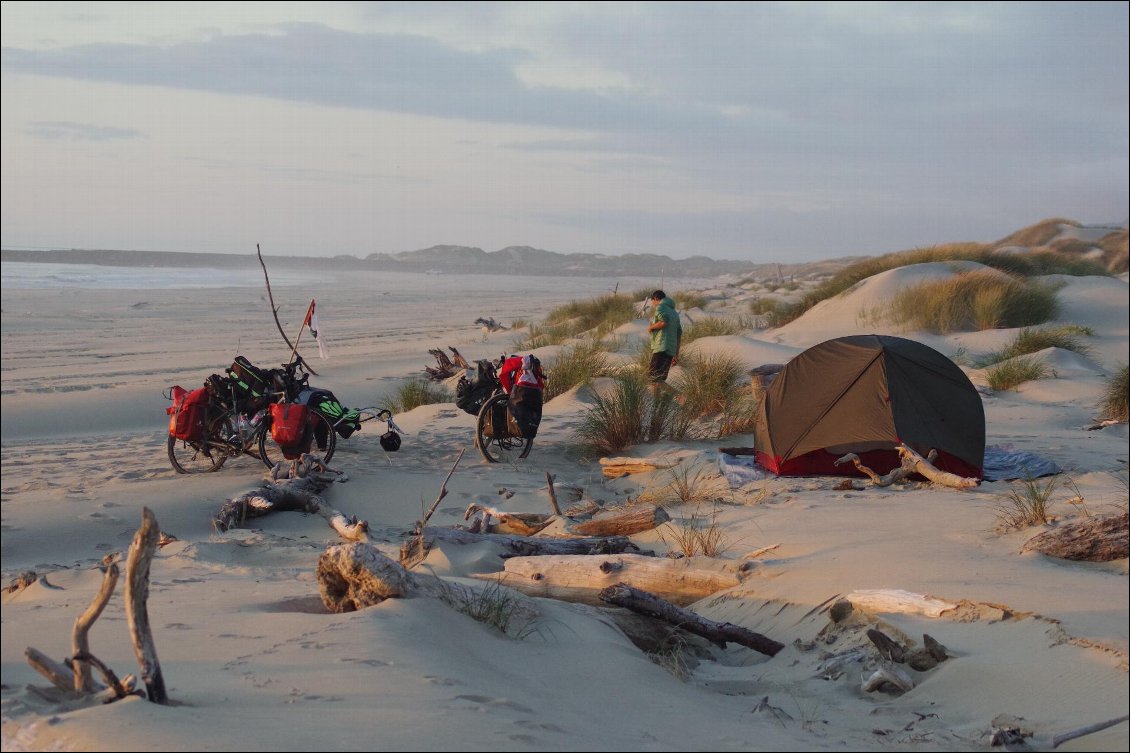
x: 495, y: 435
x: 224, y: 426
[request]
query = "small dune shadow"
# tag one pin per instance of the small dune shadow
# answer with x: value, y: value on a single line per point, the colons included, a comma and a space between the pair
x: 304, y: 604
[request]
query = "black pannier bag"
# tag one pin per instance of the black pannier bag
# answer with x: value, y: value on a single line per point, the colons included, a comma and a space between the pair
x: 249, y: 380
x: 525, y: 408
x: 470, y: 394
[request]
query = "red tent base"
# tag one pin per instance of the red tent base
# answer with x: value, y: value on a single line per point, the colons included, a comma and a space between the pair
x: 822, y: 463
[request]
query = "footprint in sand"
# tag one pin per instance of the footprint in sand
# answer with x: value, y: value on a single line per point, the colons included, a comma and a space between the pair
x: 486, y: 703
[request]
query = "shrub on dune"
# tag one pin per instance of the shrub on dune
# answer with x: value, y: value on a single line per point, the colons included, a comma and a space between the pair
x: 1035, y: 339
x: 575, y: 365
x: 1113, y: 403
x: 1012, y: 373
x: 413, y: 394
x: 716, y: 386
x: 627, y: 414
x: 976, y: 300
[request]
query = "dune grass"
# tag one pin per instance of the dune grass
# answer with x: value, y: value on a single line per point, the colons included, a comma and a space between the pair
x: 978, y: 300
x: 684, y: 301
x: 1012, y: 373
x: 1034, y: 339
x: 595, y: 317
x: 575, y: 365
x: 414, y: 393
x: 627, y: 414
x: 717, y: 386
x: 699, y: 534
x: 1113, y: 402
x: 1027, y: 503
x: 1019, y: 265
x: 713, y: 326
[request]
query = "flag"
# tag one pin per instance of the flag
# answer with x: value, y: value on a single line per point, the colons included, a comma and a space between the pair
x: 312, y: 323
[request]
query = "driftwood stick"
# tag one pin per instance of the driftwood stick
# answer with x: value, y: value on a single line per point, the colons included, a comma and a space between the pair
x: 275, y: 312
x: 720, y: 633
x: 552, y: 494
x: 442, y: 491
x: 299, y: 494
x: 115, y: 685
x: 621, y: 521
x: 141, y: 552
x: 1063, y: 737
x: 80, y: 642
x: 898, y: 474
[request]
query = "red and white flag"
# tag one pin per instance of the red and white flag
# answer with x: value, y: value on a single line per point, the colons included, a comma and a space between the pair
x: 312, y: 323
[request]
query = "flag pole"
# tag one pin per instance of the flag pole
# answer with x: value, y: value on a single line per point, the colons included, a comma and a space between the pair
x: 301, y: 329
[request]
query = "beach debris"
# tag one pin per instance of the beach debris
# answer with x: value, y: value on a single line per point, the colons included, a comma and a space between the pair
x: 73, y: 676
x: 900, y: 602
x: 719, y: 633
x: 417, y: 544
x: 489, y: 325
x: 1089, y: 540
x: 289, y: 494
x: 623, y: 466
x: 580, y: 577
x: 888, y: 674
x: 1013, y: 733
x: 912, y: 463
x: 22, y: 581
x: 445, y: 367
x: 928, y: 656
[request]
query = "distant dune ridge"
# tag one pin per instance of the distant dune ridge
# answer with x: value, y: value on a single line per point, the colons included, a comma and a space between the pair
x: 1104, y: 243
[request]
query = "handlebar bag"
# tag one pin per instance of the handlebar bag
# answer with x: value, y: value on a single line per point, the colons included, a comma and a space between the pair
x: 187, y: 413
x: 289, y: 428
x: 250, y: 381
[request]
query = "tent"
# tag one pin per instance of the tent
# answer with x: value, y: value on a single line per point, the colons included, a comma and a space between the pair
x: 865, y: 394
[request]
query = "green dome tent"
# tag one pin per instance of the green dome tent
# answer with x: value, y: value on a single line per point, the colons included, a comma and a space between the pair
x: 866, y: 394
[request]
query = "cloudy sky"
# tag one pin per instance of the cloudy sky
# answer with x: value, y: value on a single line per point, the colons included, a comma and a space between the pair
x: 756, y: 131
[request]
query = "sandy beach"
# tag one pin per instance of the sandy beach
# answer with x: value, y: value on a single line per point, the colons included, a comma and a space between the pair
x: 254, y: 661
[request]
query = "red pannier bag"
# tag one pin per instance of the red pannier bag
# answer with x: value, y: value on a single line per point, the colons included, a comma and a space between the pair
x: 186, y: 414
x: 289, y: 428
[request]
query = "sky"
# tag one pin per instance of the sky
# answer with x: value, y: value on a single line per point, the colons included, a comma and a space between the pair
x: 764, y: 132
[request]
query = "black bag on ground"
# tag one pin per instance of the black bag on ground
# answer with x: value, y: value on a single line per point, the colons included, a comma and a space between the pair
x: 525, y: 408
x: 470, y: 394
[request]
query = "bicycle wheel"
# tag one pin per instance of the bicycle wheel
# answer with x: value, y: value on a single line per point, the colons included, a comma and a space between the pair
x: 204, y: 455
x: 498, y: 449
x: 323, y: 442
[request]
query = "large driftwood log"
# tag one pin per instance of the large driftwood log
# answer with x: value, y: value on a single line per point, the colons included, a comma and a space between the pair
x: 298, y: 494
x: 415, y: 548
x: 1090, y: 540
x: 617, y: 467
x: 899, y: 602
x: 721, y: 633
x: 80, y: 641
x: 141, y: 553
x: 581, y: 578
x: 357, y: 575
x: 622, y: 521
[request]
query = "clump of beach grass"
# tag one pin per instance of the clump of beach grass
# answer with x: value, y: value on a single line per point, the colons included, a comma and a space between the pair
x: 627, y: 414
x: 497, y: 606
x: 1034, y: 339
x: 575, y: 365
x: 1027, y: 503
x: 717, y: 385
x: 696, y: 535
x: 713, y: 326
x: 594, y: 317
x: 414, y: 393
x: 1014, y: 372
x: 1113, y: 403
x: 977, y: 300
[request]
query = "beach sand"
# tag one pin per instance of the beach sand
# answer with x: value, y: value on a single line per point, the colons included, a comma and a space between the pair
x: 253, y: 661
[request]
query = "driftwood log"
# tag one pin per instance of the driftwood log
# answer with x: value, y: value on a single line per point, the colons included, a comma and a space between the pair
x: 80, y: 641
x: 581, y: 578
x: 911, y: 463
x: 300, y: 494
x: 617, y: 467
x: 417, y: 545
x: 720, y: 633
x: 1090, y: 540
x: 141, y: 553
x: 357, y: 575
x: 619, y: 521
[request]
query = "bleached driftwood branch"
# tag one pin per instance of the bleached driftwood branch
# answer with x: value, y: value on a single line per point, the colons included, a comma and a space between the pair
x: 300, y: 495
x: 80, y: 641
x: 141, y: 553
x: 720, y: 633
x: 911, y: 463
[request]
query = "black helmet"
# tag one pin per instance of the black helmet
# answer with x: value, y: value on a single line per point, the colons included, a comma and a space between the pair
x: 390, y: 441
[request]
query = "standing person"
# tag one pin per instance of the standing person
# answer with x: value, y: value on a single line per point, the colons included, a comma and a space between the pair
x: 666, y: 336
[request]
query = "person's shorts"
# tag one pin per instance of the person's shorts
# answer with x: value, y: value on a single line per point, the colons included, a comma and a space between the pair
x: 659, y: 367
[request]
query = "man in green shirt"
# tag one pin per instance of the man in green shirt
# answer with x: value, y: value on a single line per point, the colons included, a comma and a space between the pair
x: 666, y: 336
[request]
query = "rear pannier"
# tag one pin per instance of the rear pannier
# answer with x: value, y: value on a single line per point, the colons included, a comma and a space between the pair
x: 187, y: 413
